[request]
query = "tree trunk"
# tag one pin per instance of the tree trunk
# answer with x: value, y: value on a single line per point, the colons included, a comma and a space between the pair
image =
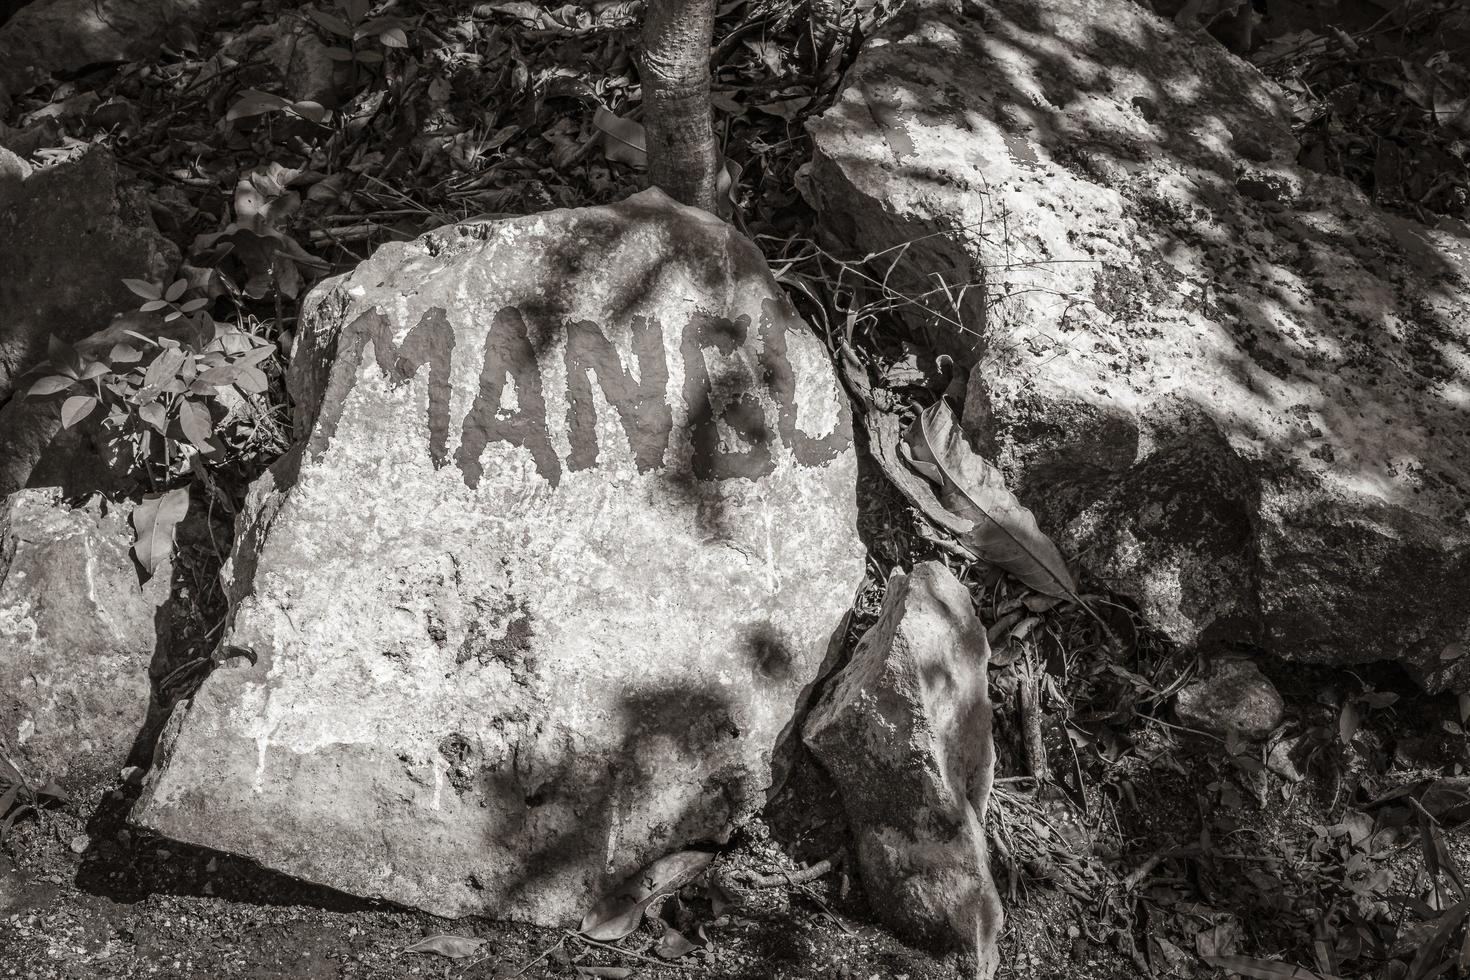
x: 682, y: 157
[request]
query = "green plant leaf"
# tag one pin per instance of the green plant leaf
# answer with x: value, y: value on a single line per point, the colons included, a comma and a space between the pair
x: 311, y: 111
x: 1001, y: 529
x: 143, y: 288
x: 251, y: 381
x: 163, y: 368
x: 50, y: 386
x: 255, y: 355
x: 124, y: 354
x: 369, y: 57
x: 96, y: 369
x: 155, y: 415
x: 220, y: 376
x: 155, y: 521
x: 394, y: 37
x: 152, y: 306
x: 176, y: 290
x: 76, y: 408
x: 330, y: 23
x: 194, y: 420
x: 253, y: 102
x: 338, y: 54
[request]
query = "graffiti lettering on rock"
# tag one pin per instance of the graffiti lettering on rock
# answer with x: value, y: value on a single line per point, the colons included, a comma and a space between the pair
x: 726, y: 393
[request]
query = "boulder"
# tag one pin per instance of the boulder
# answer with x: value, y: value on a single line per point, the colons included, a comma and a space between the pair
x: 535, y: 603
x: 1231, y: 386
x: 77, y: 637
x: 60, y: 36
x: 1231, y: 696
x: 904, y: 730
x: 69, y: 235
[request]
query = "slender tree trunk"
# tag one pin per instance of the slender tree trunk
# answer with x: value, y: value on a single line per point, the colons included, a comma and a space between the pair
x: 682, y: 157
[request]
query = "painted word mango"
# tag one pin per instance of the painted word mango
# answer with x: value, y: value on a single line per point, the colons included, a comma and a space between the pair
x: 570, y: 537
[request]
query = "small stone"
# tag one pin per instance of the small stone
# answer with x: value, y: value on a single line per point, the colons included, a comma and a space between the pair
x: 79, y: 843
x: 77, y: 633
x: 1232, y: 697
x: 904, y: 730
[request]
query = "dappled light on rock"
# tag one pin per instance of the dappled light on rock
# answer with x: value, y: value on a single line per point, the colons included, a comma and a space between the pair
x: 535, y: 603
x: 1233, y: 387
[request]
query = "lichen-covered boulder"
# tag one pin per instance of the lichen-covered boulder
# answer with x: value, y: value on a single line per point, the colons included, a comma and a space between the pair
x: 69, y: 236
x: 905, y: 732
x: 77, y: 636
x: 564, y: 550
x: 1230, y: 386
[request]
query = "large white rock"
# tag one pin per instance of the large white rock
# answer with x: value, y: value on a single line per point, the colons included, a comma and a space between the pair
x: 1234, y: 389
x: 572, y: 531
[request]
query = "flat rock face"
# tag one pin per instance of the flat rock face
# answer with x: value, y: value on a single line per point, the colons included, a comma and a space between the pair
x: 1232, y: 386
x: 77, y: 636
x: 905, y: 731
x: 69, y: 235
x: 571, y: 533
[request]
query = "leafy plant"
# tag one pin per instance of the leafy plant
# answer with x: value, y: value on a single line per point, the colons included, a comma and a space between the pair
x: 259, y: 239
x: 163, y: 399
x: 349, y: 24
x: 18, y: 798
x: 253, y: 102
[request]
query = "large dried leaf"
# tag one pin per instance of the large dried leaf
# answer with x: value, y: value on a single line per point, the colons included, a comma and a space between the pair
x: 620, y: 912
x: 451, y: 947
x: 975, y: 503
x: 155, y: 520
x: 623, y: 140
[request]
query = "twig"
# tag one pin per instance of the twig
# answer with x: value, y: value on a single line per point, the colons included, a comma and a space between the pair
x: 526, y: 965
x: 826, y: 910
x: 749, y: 879
x: 628, y: 953
x: 1028, y: 707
